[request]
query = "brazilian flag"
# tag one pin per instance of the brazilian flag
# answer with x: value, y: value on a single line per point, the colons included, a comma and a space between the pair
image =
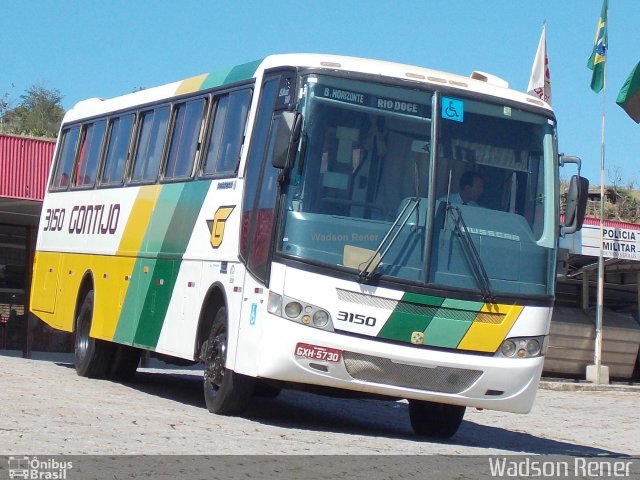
x: 629, y: 96
x: 598, y: 56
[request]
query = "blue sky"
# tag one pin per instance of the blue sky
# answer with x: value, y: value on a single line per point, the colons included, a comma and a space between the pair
x: 107, y: 48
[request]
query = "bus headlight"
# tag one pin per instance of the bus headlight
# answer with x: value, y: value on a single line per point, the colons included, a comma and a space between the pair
x: 293, y: 309
x: 523, y: 347
x: 299, y: 312
x: 320, y: 318
x: 533, y: 347
x: 508, y: 348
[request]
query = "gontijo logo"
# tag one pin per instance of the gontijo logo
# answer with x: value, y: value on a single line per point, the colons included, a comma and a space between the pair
x: 216, y: 226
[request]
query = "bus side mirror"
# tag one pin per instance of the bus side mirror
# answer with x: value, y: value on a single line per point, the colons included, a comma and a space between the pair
x: 288, y: 126
x: 576, y: 204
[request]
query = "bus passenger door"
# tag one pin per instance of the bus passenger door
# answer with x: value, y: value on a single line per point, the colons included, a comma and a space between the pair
x: 259, y: 216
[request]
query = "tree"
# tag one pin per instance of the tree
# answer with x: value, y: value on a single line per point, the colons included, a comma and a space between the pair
x: 5, y: 105
x: 38, y: 114
x: 624, y: 206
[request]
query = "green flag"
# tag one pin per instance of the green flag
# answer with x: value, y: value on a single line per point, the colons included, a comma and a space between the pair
x: 598, y: 56
x: 629, y: 96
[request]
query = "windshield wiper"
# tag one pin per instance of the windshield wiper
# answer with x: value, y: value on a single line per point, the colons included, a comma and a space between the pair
x: 400, y: 221
x: 471, y: 253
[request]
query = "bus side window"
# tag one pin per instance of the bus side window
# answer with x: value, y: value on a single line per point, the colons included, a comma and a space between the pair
x: 217, y: 129
x: 150, y: 145
x: 117, y: 150
x: 184, y: 139
x: 65, y: 159
x: 227, y: 133
x: 89, y: 154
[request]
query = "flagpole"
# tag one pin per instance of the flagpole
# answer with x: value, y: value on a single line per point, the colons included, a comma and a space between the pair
x: 597, y: 356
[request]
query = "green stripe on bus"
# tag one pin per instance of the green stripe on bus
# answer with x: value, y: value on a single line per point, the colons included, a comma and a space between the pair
x: 451, y: 323
x: 235, y: 74
x: 413, y: 313
x: 170, y: 228
x: 156, y: 302
x: 130, y: 313
x: 175, y: 241
x: 184, y: 216
x: 422, y: 299
x: 444, y: 332
x: 163, y: 213
x: 151, y: 246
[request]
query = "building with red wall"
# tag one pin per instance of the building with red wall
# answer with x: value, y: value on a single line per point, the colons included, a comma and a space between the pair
x: 24, y: 168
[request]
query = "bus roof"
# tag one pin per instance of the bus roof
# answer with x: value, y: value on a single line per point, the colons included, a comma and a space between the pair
x: 479, y: 82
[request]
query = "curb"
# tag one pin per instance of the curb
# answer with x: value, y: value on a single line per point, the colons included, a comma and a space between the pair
x: 583, y: 386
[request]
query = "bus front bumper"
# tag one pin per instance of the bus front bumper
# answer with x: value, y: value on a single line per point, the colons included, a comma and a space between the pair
x: 296, y: 353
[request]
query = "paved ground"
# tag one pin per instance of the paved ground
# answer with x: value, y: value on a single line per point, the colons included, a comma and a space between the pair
x: 47, y: 409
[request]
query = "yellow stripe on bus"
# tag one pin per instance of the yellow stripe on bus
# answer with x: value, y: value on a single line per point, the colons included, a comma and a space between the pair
x: 485, y: 336
x: 138, y: 222
x: 112, y: 275
x: 191, y: 84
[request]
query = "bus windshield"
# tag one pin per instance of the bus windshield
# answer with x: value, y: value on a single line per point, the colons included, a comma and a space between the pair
x: 364, y: 194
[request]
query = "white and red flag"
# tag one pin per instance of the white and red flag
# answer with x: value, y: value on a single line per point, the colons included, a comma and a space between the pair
x: 540, y: 82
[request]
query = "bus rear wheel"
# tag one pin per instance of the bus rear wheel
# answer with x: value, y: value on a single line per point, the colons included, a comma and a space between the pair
x: 92, y: 356
x: 225, y: 391
x: 124, y: 364
x: 436, y: 420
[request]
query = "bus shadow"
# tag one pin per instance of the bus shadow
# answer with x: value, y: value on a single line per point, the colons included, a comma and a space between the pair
x: 391, y: 419
x: 372, y: 418
x: 484, y: 436
x: 180, y: 386
x: 183, y: 388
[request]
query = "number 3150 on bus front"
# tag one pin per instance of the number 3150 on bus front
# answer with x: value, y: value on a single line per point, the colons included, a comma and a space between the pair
x: 356, y: 319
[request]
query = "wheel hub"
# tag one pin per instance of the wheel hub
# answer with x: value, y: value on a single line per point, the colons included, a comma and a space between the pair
x: 215, y: 365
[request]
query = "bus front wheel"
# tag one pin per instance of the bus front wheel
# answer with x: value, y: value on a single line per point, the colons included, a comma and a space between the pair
x: 92, y: 356
x: 225, y: 391
x: 436, y: 420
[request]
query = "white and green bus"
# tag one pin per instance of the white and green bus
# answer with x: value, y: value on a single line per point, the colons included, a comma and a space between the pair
x: 296, y: 222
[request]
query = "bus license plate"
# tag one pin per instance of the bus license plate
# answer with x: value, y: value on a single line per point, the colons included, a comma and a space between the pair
x: 315, y: 352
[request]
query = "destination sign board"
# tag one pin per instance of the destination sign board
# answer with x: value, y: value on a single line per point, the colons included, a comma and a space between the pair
x: 377, y: 102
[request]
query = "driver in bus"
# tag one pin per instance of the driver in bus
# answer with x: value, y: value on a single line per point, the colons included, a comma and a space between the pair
x: 471, y: 187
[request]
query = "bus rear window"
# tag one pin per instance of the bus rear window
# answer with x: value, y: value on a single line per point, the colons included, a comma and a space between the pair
x: 65, y: 159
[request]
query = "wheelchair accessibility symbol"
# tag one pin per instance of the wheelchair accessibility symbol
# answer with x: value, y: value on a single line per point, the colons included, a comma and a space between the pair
x: 452, y: 109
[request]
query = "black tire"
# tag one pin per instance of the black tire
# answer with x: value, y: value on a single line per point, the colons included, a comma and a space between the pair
x: 125, y: 363
x: 225, y: 392
x: 92, y: 356
x: 436, y: 420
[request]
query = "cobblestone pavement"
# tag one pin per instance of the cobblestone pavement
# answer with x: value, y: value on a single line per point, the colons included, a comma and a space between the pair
x: 47, y: 409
